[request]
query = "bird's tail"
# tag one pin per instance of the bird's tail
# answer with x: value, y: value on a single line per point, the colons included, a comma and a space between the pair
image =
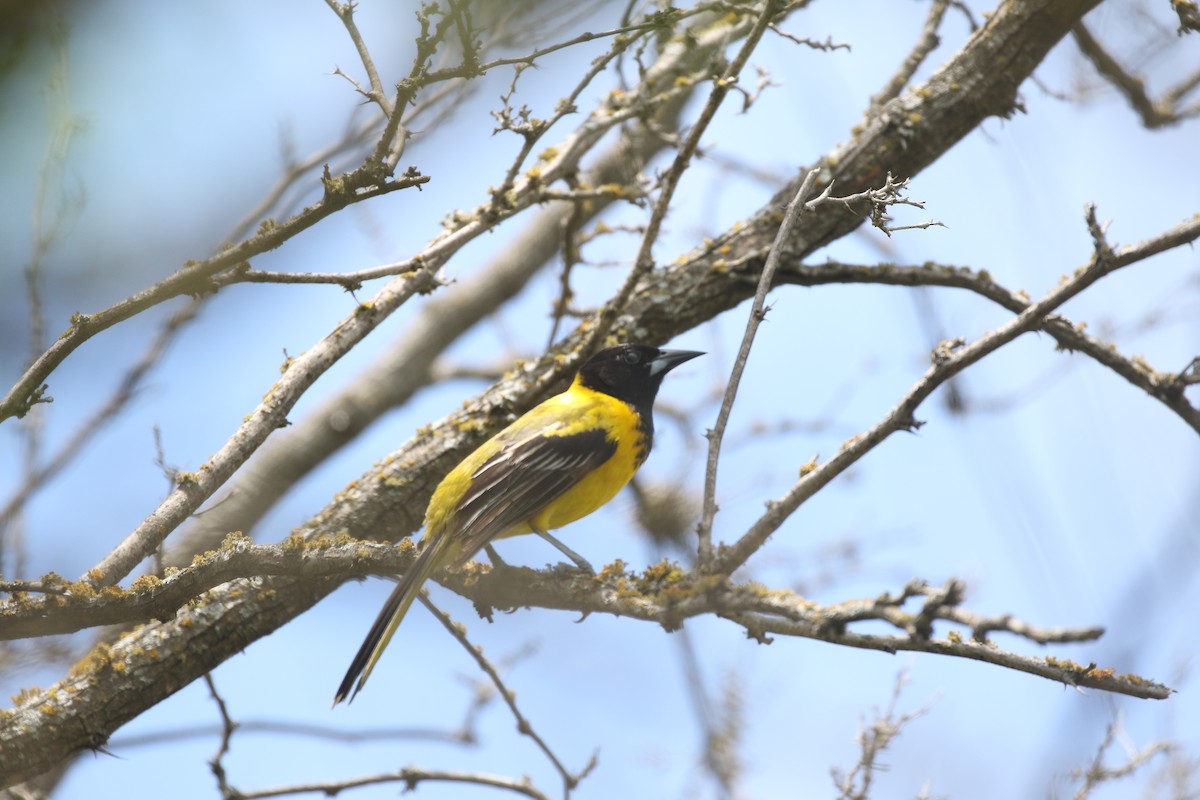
x: 431, y: 559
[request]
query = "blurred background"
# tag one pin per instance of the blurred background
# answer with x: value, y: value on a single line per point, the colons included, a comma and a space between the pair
x: 140, y: 135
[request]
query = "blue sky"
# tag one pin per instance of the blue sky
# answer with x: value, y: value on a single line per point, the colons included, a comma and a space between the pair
x: 1073, y: 504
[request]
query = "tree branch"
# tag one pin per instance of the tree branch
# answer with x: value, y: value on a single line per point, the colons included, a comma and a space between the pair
x: 981, y: 80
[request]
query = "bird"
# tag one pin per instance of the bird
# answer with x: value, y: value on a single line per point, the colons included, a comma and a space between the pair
x: 555, y: 464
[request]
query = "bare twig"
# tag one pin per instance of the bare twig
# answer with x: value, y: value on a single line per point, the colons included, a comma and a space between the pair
x: 464, y: 734
x: 410, y: 777
x: 53, y: 213
x: 704, y: 552
x: 644, y: 261
x: 1167, y: 388
x: 1154, y: 114
x: 1097, y: 773
x: 873, y: 740
x: 721, y: 726
x: 828, y: 45
x: 948, y: 361
x: 38, y: 477
x: 299, y: 373
x: 376, y: 94
x: 228, y: 726
x: 193, y: 279
x: 925, y: 45
x: 570, y: 779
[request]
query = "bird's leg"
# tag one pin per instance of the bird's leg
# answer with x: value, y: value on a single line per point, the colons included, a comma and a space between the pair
x: 579, y: 560
x: 498, y: 563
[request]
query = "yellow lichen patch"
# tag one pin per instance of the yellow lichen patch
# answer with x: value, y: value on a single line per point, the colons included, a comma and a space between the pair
x: 1065, y: 664
x: 1136, y: 679
x: 617, y: 190
x: 293, y: 542
x: 810, y: 465
x: 664, y: 572
x: 98, y: 659
x: 612, y: 571
x: 82, y: 590
x: 54, y: 580
x: 235, y: 540
x: 146, y: 583
x: 25, y: 695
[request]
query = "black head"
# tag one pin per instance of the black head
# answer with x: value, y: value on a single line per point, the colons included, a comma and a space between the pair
x: 632, y: 372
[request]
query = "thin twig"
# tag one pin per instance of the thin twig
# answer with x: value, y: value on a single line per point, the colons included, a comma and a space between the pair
x: 377, y: 94
x: 1153, y: 114
x: 704, y: 552
x: 130, y: 383
x: 1098, y: 773
x: 193, y: 278
x: 298, y: 375
x: 873, y: 740
x: 228, y: 726
x: 948, y: 361
x: 410, y: 777
x: 644, y: 262
x: 276, y: 728
x: 925, y: 45
x: 570, y: 779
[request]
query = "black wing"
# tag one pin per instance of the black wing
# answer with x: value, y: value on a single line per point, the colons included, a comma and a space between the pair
x: 521, y: 480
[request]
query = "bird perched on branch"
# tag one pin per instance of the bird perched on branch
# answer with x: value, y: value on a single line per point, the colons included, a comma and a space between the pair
x: 557, y: 463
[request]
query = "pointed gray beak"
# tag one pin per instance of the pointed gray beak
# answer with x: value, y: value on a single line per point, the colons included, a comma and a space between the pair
x: 667, y: 360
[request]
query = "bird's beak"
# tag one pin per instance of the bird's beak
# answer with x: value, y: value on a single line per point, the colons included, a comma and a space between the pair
x: 667, y: 360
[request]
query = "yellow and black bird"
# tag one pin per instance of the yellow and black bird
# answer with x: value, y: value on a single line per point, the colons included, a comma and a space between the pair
x: 559, y: 462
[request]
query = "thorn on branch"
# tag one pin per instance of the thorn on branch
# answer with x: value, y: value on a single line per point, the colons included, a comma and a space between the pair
x: 1099, y: 234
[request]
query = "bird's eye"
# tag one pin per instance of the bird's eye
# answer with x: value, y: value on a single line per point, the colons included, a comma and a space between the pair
x: 630, y: 357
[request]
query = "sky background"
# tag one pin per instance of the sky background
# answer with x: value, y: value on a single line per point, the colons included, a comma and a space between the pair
x: 1066, y: 497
